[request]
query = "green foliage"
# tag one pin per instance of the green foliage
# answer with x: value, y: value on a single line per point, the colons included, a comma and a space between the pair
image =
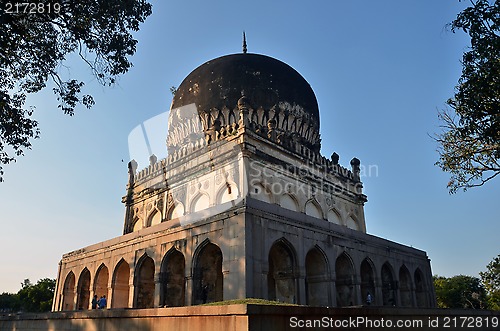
x: 38, y: 297
x: 30, y: 298
x: 469, y: 144
x: 491, y: 281
x: 9, y: 302
x: 34, y: 45
x: 459, y: 292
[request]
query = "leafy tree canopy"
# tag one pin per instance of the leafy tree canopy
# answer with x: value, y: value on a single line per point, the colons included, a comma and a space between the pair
x: 469, y: 144
x: 491, y: 281
x: 34, y: 44
x: 30, y: 298
x: 38, y: 297
x: 459, y: 292
x: 9, y: 302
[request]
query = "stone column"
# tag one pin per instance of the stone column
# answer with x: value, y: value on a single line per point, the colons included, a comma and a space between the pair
x: 157, y: 295
x: 131, y: 290
x: 334, y: 294
x: 413, y: 295
x: 75, y: 296
x: 301, y: 290
x: 109, y: 296
x: 334, y: 288
x: 332, y: 300
x: 56, y: 302
x: 189, y: 290
x: 92, y: 293
x: 379, y: 297
x: 358, y: 299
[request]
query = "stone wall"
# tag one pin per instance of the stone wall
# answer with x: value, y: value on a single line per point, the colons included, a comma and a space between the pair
x: 253, y: 317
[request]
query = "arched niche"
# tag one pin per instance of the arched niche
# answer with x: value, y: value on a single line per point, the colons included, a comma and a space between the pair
x: 288, y: 202
x: 175, y: 211
x: 389, y: 286
x: 344, y: 281
x: 281, y: 277
x: 367, y: 279
x: 405, y: 291
x: 208, y: 279
x: 352, y: 223
x: 313, y: 209
x: 83, y: 290
x: 172, y: 279
x: 137, y: 224
x: 259, y: 192
x: 120, y: 285
x: 68, y: 299
x: 201, y: 202
x: 101, y: 281
x: 317, y: 286
x: 144, y: 283
x: 334, y: 217
x: 228, y: 192
x: 155, y: 218
x: 420, y: 289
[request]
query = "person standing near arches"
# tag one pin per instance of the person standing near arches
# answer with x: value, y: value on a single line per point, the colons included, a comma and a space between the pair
x: 94, y: 302
x: 369, y: 299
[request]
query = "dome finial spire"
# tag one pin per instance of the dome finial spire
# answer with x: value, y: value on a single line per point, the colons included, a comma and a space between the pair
x: 244, y: 42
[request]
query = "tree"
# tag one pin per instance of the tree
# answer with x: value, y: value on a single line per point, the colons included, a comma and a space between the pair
x: 459, y: 292
x: 491, y: 281
x: 38, y: 297
x: 35, y: 41
x: 469, y: 144
x: 30, y: 298
x: 9, y: 302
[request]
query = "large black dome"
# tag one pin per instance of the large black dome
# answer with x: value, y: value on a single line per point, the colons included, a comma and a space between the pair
x: 251, y: 91
x: 263, y: 80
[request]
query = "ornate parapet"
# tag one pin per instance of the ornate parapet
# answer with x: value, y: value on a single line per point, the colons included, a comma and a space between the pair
x: 286, y: 125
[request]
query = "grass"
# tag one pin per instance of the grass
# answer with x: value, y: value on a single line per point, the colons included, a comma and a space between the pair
x: 250, y: 301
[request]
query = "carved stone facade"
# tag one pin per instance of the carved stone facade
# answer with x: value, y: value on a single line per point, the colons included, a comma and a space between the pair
x: 244, y: 206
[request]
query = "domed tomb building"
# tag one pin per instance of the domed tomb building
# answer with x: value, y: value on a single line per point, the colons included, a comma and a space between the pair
x: 244, y: 206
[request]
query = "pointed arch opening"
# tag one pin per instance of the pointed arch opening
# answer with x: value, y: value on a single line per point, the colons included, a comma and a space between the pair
x: 420, y: 289
x: 83, y: 291
x: 144, y: 283
x: 68, y: 299
x: 281, y: 277
x: 344, y: 281
x: 101, y: 281
x: 405, y: 290
x: 389, y: 287
x: 208, y: 279
x: 173, y: 279
x: 120, y: 285
x: 317, y: 286
x: 367, y: 279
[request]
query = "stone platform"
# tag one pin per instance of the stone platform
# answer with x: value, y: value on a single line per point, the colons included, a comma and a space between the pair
x: 254, y: 317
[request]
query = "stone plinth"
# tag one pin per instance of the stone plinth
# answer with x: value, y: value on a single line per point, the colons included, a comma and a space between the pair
x: 248, y: 317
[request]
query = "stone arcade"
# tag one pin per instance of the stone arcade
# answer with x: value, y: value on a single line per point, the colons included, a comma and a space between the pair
x: 244, y: 206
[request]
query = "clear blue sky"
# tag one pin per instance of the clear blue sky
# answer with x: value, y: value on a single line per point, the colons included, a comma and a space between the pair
x: 380, y: 71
